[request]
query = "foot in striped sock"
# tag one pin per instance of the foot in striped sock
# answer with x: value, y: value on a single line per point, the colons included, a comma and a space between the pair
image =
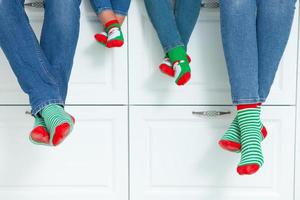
x: 166, y: 66
x: 248, y: 118
x: 115, y: 35
x: 231, y: 140
x: 58, y: 122
x: 39, y: 134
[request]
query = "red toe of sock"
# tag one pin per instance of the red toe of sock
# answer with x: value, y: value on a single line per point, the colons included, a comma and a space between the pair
x: 61, y: 132
x: 40, y: 134
x: 184, y: 79
x: 101, y: 38
x: 248, y: 169
x: 167, y: 70
x: 114, y: 43
x: 230, y: 145
x: 264, y: 131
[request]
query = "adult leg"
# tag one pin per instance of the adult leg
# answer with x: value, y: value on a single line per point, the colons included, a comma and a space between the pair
x: 26, y: 58
x: 274, y: 21
x: 59, y: 39
x: 238, y: 23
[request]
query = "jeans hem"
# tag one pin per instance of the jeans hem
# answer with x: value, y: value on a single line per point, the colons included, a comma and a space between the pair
x: 37, y: 109
x: 120, y: 12
x: 168, y: 48
x: 99, y: 10
x: 246, y: 101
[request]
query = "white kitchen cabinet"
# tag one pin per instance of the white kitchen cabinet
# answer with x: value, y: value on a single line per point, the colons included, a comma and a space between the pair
x: 175, y: 156
x: 209, y: 84
x: 99, y: 74
x: 91, y: 164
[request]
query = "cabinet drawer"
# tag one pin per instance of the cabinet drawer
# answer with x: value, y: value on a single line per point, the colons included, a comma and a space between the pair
x: 175, y: 156
x: 99, y: 74
x: 209, y: 84
x: 91, y: 164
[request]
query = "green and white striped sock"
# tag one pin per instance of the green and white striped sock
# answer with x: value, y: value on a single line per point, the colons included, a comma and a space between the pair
x: 248, y: 118
x: 231, y: 140
x: 58, y: 122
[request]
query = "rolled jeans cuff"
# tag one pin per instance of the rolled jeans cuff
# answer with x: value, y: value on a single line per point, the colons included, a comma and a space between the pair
x: 246, y: 101
x: 36, y: 109
x: 172, y: 46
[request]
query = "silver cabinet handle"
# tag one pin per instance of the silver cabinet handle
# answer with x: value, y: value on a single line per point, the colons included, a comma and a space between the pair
x: 36, y: 4
x: 210, y: 4
x: 212, y: 113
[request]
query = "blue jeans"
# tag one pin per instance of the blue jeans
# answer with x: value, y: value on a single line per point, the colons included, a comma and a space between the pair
x: 174, y: 24
x: 42, y: 69
x: 120, y: 7
x: 255, y: 33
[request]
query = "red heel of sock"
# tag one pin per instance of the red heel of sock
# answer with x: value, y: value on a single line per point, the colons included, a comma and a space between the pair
x: 40, y: 135
x: 230, y: 145
x: 114, y: 43
x: 264, y: 132
x: 184, y: 79
x: 248, y: 169
x: 101, y: 38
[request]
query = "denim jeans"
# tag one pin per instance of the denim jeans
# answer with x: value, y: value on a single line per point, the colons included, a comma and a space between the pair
x: 255, y: 33
x: 42, y: 69
x: 174, y: 24
x: 120, y: 7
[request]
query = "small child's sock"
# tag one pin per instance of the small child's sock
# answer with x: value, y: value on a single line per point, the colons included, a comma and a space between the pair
x: 178, y: 57
x: 39, y: 134
x: 231, y: 140
x: 101, y: 38
x: 248, y: 118
x: 166, y: 66
x: 115, y: 35
x: 58, y: 122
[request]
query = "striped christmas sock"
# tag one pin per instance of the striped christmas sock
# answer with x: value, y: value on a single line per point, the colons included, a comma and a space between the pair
x: 248, y: 118
x: 58, y: 122
x: 115, y: 35
x: 181, y: 65
x: 39, y: 134
x: 231, y: 140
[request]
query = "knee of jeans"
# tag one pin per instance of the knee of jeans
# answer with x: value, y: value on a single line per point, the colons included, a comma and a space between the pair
x: 232, y: 6
x: 65, y: 8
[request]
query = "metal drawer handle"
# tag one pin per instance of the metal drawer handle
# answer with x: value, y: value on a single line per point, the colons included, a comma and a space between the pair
x: 210, y: 4
x: 36, y: 4
x: 212, y: 113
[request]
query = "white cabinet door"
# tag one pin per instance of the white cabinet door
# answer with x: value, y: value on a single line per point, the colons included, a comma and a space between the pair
x: 174, y: 155
x: 99, y: 74
x: 209, y: 83
x: 91, y: 164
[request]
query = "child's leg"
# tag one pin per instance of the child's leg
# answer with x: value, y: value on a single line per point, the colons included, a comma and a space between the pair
x: 162, y: 17
x: 120, y: 8
x: 186, y: 15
